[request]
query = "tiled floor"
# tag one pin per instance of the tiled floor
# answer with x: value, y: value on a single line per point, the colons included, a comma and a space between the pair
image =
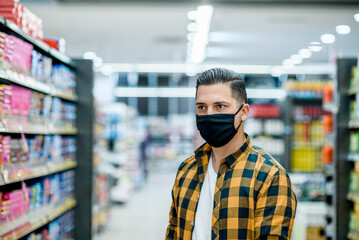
x: 145, y: 216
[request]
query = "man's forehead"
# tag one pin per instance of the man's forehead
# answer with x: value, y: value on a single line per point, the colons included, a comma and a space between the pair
x: 214, y: 93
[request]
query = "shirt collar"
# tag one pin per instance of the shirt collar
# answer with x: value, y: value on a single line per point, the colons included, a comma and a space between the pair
x: 232, y: 159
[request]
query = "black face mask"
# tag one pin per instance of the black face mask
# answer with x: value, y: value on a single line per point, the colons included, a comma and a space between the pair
x: 217, y: 129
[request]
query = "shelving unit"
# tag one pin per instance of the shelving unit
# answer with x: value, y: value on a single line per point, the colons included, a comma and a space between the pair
x: 82, y: 131
x: 344, y: 198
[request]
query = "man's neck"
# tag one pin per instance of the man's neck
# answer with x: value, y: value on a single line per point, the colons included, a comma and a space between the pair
x: 219, y: 153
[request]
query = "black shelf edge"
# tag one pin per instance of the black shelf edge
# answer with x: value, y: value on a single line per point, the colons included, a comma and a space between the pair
x: 45, y: 170
x: 52, y: 52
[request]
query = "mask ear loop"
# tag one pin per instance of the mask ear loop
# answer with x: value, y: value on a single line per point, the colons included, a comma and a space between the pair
x: 236, y: 114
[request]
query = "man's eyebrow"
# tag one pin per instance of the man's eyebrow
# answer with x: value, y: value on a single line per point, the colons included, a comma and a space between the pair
x: 200, y: 103
x: 221, y: 102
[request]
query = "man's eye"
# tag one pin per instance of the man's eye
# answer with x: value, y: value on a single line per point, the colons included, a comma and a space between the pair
x: 201, y: 107
x: 220, y: 106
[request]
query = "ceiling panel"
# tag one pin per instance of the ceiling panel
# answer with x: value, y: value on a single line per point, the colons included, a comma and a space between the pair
x: 156, y: 33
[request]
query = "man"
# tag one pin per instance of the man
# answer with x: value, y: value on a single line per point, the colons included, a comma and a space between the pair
x: 229, y: 189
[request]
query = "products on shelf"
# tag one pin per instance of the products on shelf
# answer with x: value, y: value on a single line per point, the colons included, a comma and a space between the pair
x: 19, y: 59
x: 304, y: 89
x: 327, y: 154
x: 354, y: 81
x: 60, y: 228
x: 40, y: 197
x: 354, y: 142
x: 16, y: 53
x: 306, y: 159
x: 274, y: 146
x: 23, y: 17
x: 19, y: 156
x: 265, y: 111
x: 21, y: 105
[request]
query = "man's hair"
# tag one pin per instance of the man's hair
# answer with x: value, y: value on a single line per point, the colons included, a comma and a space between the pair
x: 222, y: 75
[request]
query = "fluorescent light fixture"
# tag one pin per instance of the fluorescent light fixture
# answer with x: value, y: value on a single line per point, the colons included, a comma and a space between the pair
x: 276, y: 71
x: 168, y: 92
x: 197, y: 68
x: 201, y: 30
x: 296, y: 59
x: 192, y: 27
x: 190, y: 36
x: 97, y: 62
x: 356, y: 17
x: 225, y: 37
x: 327, y: 38
x: 192, y: 15
x: 287, y: 63
x: 106, y: 70
x: 342, y: 29
x: 305, y: 53
x: 315, y: 47
x: 89, y: 55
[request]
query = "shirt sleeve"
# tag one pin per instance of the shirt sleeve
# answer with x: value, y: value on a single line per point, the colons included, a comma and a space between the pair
x: 172, y: 224
x: 275, y: 208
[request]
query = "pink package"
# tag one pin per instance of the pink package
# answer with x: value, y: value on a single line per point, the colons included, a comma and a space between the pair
x: 15, y: 100
x: 6, y: 150
x: 18, y: 201
x: 22, y: 53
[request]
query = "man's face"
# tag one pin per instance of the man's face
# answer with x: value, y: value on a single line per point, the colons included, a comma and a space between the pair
x: 218, y: 99
x: 214, y: 99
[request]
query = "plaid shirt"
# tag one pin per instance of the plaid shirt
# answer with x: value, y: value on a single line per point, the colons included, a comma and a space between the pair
x: 253, y: 198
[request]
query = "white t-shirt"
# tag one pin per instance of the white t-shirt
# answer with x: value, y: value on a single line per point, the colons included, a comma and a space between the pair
x: 203, y: 220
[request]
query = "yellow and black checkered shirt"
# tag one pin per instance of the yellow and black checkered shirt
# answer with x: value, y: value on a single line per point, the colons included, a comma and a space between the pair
x: 253, y: 198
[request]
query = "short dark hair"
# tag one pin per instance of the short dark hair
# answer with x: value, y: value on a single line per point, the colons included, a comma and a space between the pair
x: 223, y: 75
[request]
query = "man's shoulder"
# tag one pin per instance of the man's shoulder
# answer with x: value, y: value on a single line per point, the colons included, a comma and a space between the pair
x: 266, y: 161
x: 187, y: 163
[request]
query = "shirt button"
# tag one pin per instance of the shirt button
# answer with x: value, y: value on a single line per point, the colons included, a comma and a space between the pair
x: 192, y: 224
x: 197, y: 196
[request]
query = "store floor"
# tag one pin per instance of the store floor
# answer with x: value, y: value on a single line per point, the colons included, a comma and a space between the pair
x: 145, y: 216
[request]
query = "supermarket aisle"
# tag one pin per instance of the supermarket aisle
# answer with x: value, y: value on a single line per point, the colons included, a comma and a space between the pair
x: 145, y: 216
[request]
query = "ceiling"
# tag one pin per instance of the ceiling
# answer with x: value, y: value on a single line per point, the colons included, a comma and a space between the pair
x: 155, y: 32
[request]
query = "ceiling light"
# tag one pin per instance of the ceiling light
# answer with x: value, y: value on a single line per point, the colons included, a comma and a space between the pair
x: 356, y: 17
x: 287, y: 63
x: 342, y: 29
x: 201, y: 28
x: 327, y: 38
x: 191, y: 15
x: 97, y: 62
x: 89, y: 55
x: 305, y: 53
x: 296, y: 59
x: 192, y: 27
x: 190, y: 36
x: 315, y: 46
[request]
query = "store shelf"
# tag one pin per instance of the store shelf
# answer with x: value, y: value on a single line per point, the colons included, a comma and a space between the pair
x: 307, y: 145
x: 39, y: 44
x: 41, y: 127
x: 352, y: 196
x: 354, y: 124
x: 354, y: 157
x: 353, y: 91
x: 330, y: 107
x: 9, y: 176
x: 29, y: 82
x: 29, y: 223
x: 353, y: 236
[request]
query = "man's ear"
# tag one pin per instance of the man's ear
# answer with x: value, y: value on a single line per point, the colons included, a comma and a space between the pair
x: 245, y: 112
